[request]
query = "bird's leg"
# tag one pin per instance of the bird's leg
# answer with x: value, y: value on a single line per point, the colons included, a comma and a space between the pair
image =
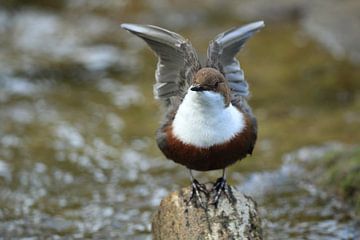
x: 220, y: 187
x: 197, y: 188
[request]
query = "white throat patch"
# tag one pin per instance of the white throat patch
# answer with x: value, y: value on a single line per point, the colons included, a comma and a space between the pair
x: 203, y: 121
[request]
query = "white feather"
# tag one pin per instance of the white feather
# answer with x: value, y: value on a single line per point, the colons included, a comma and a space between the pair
x: 203, y: 121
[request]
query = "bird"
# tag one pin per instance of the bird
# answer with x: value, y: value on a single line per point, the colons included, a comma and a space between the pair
x: 207, y: 122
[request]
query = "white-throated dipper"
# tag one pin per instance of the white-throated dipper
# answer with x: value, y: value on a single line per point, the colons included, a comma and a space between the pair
x: 207, y: 124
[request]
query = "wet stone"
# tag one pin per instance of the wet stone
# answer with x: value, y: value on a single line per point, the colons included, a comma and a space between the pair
x: 177, y: 218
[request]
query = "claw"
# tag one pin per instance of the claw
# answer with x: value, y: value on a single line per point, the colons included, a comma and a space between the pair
x: 198, y: 188
x: 220, y: 187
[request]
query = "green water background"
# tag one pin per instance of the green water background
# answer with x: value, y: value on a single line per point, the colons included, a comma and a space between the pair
x: 78, y: 157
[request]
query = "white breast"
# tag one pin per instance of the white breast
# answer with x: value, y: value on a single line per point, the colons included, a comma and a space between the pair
x: 203, y: 121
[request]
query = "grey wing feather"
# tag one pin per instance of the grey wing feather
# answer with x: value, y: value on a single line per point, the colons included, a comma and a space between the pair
x: 221, y: 55
x: 177, y: 63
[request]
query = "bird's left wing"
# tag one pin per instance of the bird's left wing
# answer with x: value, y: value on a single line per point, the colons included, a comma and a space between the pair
x: 177, y: 63
x: 221, y: 55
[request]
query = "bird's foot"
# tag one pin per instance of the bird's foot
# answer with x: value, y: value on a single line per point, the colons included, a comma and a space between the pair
x: 220, y: 187
x: 197, y: 189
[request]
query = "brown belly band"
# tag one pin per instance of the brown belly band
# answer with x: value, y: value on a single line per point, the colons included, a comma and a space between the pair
x: 204, y: 159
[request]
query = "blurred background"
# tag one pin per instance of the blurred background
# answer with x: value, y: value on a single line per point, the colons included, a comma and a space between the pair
x: 78, y: 157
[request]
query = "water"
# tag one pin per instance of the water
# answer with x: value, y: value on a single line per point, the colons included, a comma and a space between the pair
x: 77, y: 151
x: 294, y: 207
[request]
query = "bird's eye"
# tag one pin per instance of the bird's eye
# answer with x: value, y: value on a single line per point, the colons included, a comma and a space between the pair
x: 216, y: 84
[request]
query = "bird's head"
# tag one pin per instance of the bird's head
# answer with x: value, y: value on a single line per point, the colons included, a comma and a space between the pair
x: 211, y: 83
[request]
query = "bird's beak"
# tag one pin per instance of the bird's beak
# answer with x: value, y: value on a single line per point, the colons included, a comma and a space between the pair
x: 197, y: 88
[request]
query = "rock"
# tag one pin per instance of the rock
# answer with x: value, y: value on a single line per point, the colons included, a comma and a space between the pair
x: 235, y: 217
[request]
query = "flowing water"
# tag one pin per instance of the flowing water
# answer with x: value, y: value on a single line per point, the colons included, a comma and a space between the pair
x: 77, y: 119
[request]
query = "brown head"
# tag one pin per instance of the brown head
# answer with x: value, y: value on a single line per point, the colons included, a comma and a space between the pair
x: 210, y: 79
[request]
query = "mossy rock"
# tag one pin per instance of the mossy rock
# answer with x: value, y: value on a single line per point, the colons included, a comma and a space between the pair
x: 339, y: 172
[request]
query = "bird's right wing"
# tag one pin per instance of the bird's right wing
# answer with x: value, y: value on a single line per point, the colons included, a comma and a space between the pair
x: 177, y: 64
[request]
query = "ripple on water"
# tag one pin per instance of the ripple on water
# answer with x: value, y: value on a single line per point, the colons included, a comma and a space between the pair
x: 123, y: 95
x: 31, y: 36
x: 69, y: 134
x: 12, y: 87
x: 5, y: 171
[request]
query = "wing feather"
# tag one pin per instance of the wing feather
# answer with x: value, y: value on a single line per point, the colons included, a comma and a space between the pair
x: 177, y: 60
x: 221, y: 55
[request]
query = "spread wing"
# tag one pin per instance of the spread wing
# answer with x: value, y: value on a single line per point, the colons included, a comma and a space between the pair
x: 177, y: 62
x: 221, y: 55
